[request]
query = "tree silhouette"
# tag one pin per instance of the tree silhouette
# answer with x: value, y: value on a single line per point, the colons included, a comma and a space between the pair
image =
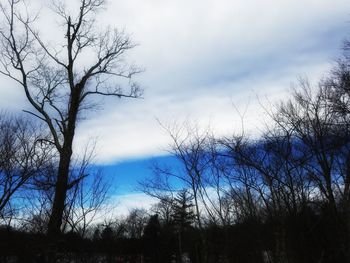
x: 55, y: 84
x: 151, y: 238
x: 183, y: 217
x: 22, y: 158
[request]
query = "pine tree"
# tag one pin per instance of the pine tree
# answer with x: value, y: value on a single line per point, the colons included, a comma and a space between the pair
x: 183, y: 216
x: 151, y: 237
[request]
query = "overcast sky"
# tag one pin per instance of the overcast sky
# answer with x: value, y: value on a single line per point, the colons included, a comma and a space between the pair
x: 200, y: 57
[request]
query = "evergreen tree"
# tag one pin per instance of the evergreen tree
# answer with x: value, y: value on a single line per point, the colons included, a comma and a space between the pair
x: 183, y: 217
x: 151, y: 239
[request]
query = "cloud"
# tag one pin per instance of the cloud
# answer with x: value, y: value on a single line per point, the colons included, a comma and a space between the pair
x: 123, y: 204
x: 202, y: 56
x: 133, y: 131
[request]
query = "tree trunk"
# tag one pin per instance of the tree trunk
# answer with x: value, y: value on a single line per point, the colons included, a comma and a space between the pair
x: 180, y: 246
x: 280, y: 245
x: 55, y: 222
x: 347, y: 227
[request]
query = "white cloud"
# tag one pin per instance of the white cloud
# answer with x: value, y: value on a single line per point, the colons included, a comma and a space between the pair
x: 123, y: 204
x: 200, y: 56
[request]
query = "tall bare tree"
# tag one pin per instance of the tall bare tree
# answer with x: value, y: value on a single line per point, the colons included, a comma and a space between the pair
x: 57, y: 86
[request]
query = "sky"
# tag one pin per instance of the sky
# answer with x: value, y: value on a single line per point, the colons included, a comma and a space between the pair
x: 200, y: 57
x: 204, y: 60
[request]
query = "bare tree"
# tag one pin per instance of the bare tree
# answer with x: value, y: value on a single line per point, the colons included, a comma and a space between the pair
x: 188, y: 146
x: 216, y: 194
x: 164, y: 209
x: 57, y: 87
x: 86, y: 196
x: 319, y: 119
x: 136, y: 222
x: 269, y: 183
x: 86, y: 200
x: 22, y: 157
